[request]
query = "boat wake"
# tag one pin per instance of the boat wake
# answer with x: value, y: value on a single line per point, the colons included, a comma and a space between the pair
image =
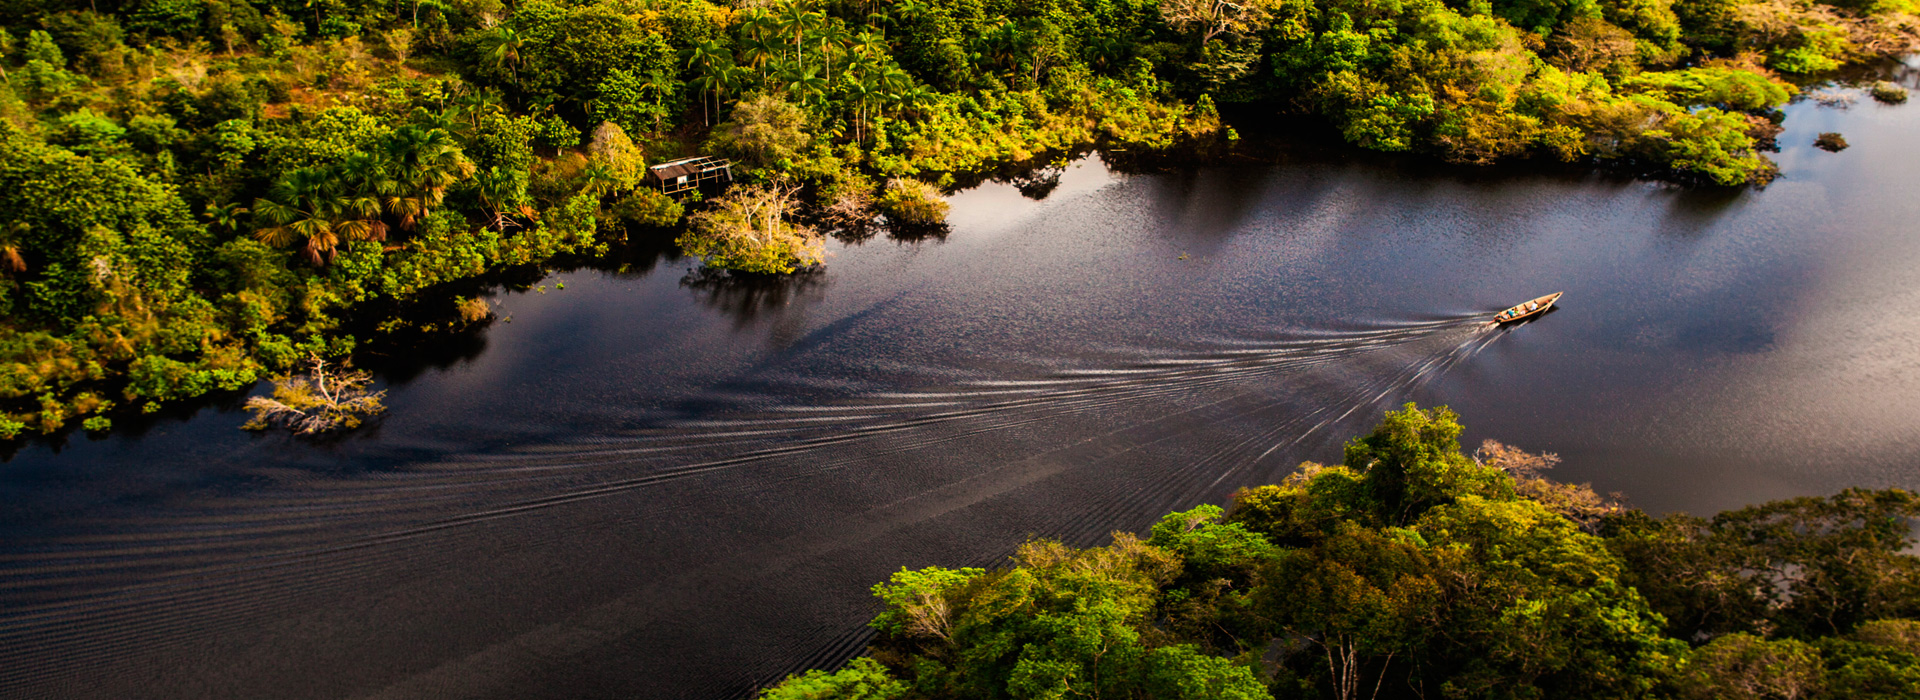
x: 1216, y: 418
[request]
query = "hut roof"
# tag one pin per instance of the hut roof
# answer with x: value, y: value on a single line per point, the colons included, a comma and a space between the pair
x: 687, y: 166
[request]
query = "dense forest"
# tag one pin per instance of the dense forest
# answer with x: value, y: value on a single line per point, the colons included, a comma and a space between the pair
x: 1415, y: 570
x: 198, y: 194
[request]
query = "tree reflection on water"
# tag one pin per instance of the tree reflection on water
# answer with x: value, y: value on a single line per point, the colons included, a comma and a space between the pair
x: 749, y: 298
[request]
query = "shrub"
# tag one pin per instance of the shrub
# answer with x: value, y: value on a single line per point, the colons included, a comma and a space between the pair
x: 647, y: 208
x: 863, y: 679
x: 1889, y: 93
x: 913, y: 202
x: 847, y: 201
x: 472, y: 310
x: 1831, y: 141
x: 747, y: 230
x: 10, y: 428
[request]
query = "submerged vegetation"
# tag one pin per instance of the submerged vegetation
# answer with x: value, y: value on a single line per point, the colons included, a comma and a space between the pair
x: 1888, y: 93
x: 1413, y: 570
x: 319, y: 401
x: 198, y: 194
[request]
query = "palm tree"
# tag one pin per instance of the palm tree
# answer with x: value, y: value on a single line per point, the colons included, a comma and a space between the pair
x: 735, y: 79
x: 499, y: 188
x: 894, y: 84
x: 424, y: 163
x: 1003, y: 44
x: 501, y: 48
x: 805, y: 84
x: 360, y: 181
x: 832, y: 36
x: 306, y: 207
x: 710, y: 62
x: 870, y: 45
x: 226, y: 216
x: 758, y: 52
x: 755, y: 22
x: 859, y: 92
x: 797, y: 19
x: 599, y: 179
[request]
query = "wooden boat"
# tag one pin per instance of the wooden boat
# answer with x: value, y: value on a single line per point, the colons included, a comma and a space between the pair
x: 1528, y: 309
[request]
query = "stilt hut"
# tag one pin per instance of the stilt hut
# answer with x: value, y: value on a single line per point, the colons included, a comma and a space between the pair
x: 675, y: 177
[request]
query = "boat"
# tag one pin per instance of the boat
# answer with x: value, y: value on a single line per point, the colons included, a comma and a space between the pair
x: 1528, y: 309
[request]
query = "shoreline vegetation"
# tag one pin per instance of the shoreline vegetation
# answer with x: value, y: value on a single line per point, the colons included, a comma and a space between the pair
x: 199, y: 194
x: 1416, y: 570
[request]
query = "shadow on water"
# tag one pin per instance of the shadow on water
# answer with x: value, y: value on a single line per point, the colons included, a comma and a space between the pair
x: 1038, y: 183
x: 915, y: 234
x: 432, y: 338
x: 748, y: 298
x: 130, y: 423
x: 1695, y: 210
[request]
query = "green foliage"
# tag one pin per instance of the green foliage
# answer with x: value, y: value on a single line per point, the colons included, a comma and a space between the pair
x: 1412, y: 461
x: 862, y: 679
x: 320, y: 140
x: 1725, y: 87
x: 1888, y: 93
x: 1803, y: 568
x: 1209, y: 547
x: 1871, y: 668
x: 648, y: 209
x: 1182, y: 672
x: 916, y: 601
x: 215, y: 183
x: 87, y: 132
x: 1415, y: 572
x: 637, y: 102
x: 39, y: 47
x: 1817, y: 48
x: 912, y: 202
x: 1745, y: 667
x: 749, y: 230
x: 1062, y: 621
x: 1715, y: 144
x: 765, y: 132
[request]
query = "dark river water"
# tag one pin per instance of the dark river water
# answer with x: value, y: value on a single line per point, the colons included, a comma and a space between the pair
x: 644, y: 484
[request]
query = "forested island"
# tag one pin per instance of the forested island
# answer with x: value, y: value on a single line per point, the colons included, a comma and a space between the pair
x: 1415, y: 570
x: 199, y: 194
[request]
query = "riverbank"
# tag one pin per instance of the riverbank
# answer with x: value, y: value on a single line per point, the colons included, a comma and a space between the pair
x: 203, y: 197
x: 1414, y: 569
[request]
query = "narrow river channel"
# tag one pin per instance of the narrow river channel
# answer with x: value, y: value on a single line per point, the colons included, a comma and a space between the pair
x: 646, y: 484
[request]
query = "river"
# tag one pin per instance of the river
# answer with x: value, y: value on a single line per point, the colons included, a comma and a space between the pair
x: 642, y: 483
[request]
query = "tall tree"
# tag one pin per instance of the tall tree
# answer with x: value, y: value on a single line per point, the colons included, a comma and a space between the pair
x: 832, y: 37
x: 795, y: 19
x: 710, y: 63
x: 501, y: 49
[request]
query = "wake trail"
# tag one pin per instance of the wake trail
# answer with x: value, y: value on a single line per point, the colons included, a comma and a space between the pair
x: 145, y: 577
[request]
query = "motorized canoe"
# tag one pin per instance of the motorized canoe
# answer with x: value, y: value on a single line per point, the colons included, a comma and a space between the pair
x: 1528, y: 309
